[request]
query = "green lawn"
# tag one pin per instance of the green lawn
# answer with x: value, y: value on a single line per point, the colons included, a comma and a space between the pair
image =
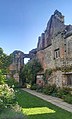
x: 37, y: 108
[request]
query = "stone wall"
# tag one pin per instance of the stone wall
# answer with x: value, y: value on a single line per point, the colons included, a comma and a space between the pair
x: 69, y: 50
x: 54, y: 48
x: 55, y: 44
x: 48, y: 57
x: 41, y: 56
x: 59, y: 78
x: 18, y: 59
x: 58, y: 50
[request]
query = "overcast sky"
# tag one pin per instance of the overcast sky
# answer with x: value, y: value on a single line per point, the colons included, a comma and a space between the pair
x: 22, y: 21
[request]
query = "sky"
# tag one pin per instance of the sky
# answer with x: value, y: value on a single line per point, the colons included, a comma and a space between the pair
x: 23, y: 21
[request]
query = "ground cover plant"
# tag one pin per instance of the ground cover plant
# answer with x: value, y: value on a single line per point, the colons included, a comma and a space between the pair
x: 37, y: 108
x: 64, y: 93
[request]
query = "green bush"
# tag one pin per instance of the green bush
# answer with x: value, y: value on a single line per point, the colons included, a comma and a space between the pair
x: 47, y: 89
x: 2, y: 78
x: 66, y: 90
x: 39, y: 88
x: 29, y: 72
x: 9, y: 108
x: 50, y: 89
x: 7, y: 96
x: 12, y: 83
x: 1, y: 105
x: 63, y: 91
x: 68, y: 98
x: 33, y: 87
x: 60, y: 93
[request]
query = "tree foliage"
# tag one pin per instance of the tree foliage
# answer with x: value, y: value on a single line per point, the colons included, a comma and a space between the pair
x: 5, y: 61
x: 30, y: 71
x: 2, y: 78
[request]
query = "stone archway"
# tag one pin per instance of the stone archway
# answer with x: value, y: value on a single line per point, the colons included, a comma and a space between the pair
x: 18, y: 62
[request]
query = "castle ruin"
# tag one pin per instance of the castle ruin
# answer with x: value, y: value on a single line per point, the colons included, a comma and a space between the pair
x: 54, y: 50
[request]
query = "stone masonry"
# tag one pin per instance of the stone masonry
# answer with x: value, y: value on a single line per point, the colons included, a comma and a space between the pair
x: 54, y: 50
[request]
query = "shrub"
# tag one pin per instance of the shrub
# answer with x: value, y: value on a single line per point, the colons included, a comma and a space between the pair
x: 33, y: 87
x: 1, y: 105
x: 29, y: 72
x: 47, y: 89
x: 63, y: 91
x: 68, y: 98
x: 60, y: 93
x: 7, y: 96
x: 23, y: 86
x: 12, y: 83
x: 9, y: 108
x: 66, y: 90
x: 39, y: 88
x: 50, y: 89
x: 2, y: 78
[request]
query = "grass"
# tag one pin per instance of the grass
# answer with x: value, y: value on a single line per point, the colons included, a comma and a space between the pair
x: 37, y: 108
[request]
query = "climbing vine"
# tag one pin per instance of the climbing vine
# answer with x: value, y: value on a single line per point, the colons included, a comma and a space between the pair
x: 47, y: 74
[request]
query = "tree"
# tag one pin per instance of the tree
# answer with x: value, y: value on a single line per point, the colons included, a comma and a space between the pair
x: 30, y: 70
x: 5, y: 61
x: 2, y: 78
x: 1, y: 51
